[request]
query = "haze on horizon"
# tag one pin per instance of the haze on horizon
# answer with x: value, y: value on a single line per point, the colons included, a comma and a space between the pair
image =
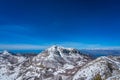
x: 37, y: 24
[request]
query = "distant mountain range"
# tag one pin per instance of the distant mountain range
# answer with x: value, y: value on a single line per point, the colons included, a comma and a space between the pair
x: 59, y: 63
x: 92, y: 52
x: 101, y: 52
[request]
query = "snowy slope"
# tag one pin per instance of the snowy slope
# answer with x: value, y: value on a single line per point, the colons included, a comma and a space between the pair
x: 9, y: 66
x: 58, y: 63
x: 104, y: 66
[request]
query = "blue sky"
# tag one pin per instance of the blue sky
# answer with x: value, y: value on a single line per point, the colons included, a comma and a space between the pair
x: 36, y: 24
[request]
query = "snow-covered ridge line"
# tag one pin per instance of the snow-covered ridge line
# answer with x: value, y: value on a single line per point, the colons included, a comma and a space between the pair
x: 57, y: 63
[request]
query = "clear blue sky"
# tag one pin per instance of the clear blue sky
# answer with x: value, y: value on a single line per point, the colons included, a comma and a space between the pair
x: 72, y: 23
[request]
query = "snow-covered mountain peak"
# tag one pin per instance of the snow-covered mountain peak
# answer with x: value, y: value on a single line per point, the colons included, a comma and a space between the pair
x: 5, y: 52
x: 61, y: 56
x: 58, y: 63
x: 55, y: 47
x: 61, y: 49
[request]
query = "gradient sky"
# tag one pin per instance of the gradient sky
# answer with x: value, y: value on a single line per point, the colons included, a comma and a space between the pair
x: 36, y: 24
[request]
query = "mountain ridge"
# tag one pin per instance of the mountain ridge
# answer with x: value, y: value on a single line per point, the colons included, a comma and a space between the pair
x: 57, y: 63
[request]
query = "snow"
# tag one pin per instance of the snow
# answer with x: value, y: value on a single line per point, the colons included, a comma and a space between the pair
x: 116, y: 77
x: 5, y: 52
x: 68, y: 66
x: 21, y: 59
x: 117, y: 63
x: 98, y: 66
x: 5, y: 74
x: 57, y: 61
x: 59, y: 71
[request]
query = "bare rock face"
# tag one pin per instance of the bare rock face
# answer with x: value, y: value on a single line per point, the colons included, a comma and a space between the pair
x: 58, y: 63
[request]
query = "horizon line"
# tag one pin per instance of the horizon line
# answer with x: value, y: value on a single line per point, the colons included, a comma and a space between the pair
x: 41, y: 47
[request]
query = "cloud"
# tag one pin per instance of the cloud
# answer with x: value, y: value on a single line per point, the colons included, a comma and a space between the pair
x: 78, y: 45
x: 64, y: 44
x: 21, y: 47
